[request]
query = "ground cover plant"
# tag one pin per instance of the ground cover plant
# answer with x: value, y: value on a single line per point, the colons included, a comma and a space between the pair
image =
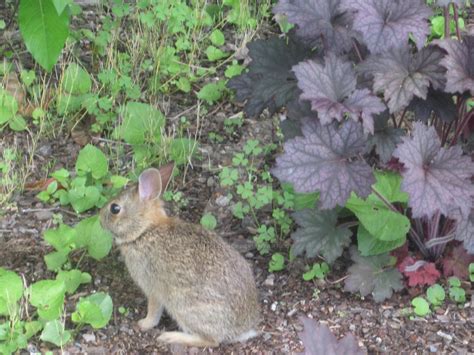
x: 379, y: 123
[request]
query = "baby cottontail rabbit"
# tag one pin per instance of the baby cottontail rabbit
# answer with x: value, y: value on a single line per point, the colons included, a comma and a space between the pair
x: 202, y: 282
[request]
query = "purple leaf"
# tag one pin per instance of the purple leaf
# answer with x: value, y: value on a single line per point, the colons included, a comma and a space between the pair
x: 460, y: 3
x: 318, y: 19
x: 388, y: 23
x: 319, y: 340
x: 435, y: 178
x: 319, y: 234
x: 373, y: 275
x: 385, y: 138
x: 327, y: 159
x: 437, y: 101
x: 269, y: 83
x: 331, y: 89
x: 460, y: 64
x: 465, y: 230
x: 401, y: 75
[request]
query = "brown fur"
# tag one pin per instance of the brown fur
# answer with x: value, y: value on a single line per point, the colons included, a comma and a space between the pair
x: 202, y: 282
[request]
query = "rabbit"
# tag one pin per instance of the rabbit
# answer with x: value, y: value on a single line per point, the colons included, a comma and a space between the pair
x: 201, y: 281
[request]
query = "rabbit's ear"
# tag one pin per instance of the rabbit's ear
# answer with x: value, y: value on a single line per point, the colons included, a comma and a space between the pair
x: 166, y: 171
x: 150, y: 184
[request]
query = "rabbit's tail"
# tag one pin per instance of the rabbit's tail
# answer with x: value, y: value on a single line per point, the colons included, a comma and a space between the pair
x: 186, y: 339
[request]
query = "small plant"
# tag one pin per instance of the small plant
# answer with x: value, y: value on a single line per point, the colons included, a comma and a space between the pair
x: 319, y: 271
x: 421, y: 306
x: 436, y: 295
x: 277, y: 263
x: 456, y: 292
x: 471, y: 272
x: 208, y: 221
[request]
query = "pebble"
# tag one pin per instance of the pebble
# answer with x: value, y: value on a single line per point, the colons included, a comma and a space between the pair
x: 223, y: 200
x: 273, y: 307
x: 89, y: 337
x: 269, y: 281
x: 433, y: 349
x: 352, y: 327
x: 43, y: 215
x: 291, y: 313
x: 249, y: 255
x: 444, y: 335
x: 210, y: 182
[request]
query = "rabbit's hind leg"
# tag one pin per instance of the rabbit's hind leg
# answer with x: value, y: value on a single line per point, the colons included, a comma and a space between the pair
x: 186, y: 339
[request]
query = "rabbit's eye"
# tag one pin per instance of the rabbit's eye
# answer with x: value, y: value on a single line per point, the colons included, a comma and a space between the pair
x: 114, y: 208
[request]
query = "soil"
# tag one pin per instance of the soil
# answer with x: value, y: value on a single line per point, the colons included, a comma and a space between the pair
x: 285, y: 296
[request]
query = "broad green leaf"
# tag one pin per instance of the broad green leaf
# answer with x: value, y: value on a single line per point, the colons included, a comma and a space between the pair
x: 378, y: 219
x: 61, y: 238
x: 83, y: 199
x: 48, y: 297
x: 56, y: 259
x: 55, y: 333
x: 17, y: 123
x: 11, y: 289
x: 369, y: 245
x: 97, y: 240
x: 436, y: 294
x: 217, y: 38
x: 73, y: 278
x: 8, y: 106
x: 388, y: 184
x: 422, y: 307
x: 76, y: 80
x: 31, y: 328
x: 43, y: 30
x: 95, y: 310
x: 141, y: 123
x: 211, y: 92
x: 373, y: 275
x: 214, y: 53
x: 92, y: 160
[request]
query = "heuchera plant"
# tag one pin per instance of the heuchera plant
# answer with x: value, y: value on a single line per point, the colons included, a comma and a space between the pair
x: 380, y: 123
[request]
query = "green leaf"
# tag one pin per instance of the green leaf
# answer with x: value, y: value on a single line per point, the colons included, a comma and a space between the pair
x: 11, y: 289
x: 140, y: 122
x: 211, y: 92
x: 92, y: 160
x: 318, y: 270
x: 373, y: 275
x: 369, y: 245
x: 184, y: 85
x: 72, y: 279
x: 388, y: 184
x: 17, y: 123
x: 208, y: 221
x: 28, y: 77
x: 95, y: 310
x: 233, y: 70
x: 31, y: 328
x: 217, y: 38
x: 60, y: 5
x: 48, y: 297
x: 214, y: 53
x: 436, y: 294
x: 378, y: 220
x: 118, y: 181
x: 55, y: 333
x: 55, y: 260
x: 43, y: 30
x: 422, y: 307
x: 319, y: 234
x: 61, y: 238
x: 471, y: 272
x: 2, y: 24
x: 277, y: 263
x: 453, y: 281
x: 85, y: 198
x: 76, y: 80
x: 97, y: 240
x: 457, y: 294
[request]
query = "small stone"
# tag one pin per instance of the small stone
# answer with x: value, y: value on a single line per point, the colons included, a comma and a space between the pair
x: 273, y: 307
x: 223, y: 201
x: 352, y: 327
x: 210, y: 182
x: 445, y: 336
x: 44, y: 215
x: 433, y: 349
x: 291, y: 313
x: 89, y: 337
x: 269, y: 281
x: 249, y: 255
x: 365, y: 330
x: 267, y: 336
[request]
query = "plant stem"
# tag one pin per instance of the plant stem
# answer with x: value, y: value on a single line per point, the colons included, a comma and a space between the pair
x: 461, y: 127
x: 357, y: 50
x: 447, y: 31
x: 403, y: 116
x: 456, y: 21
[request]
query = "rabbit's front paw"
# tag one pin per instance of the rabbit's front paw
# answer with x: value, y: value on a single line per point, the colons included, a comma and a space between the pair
x: 147, y: 323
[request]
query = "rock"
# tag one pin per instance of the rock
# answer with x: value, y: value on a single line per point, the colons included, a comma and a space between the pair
x: 291, y: 313
x: 249, y: 255
x: 274, y: 305
x: 223, y: 201
x: 89, y: 337
x: 44, y: 215
x: 269, y: 281
x: 445, y: 336
x: 433, y: 349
